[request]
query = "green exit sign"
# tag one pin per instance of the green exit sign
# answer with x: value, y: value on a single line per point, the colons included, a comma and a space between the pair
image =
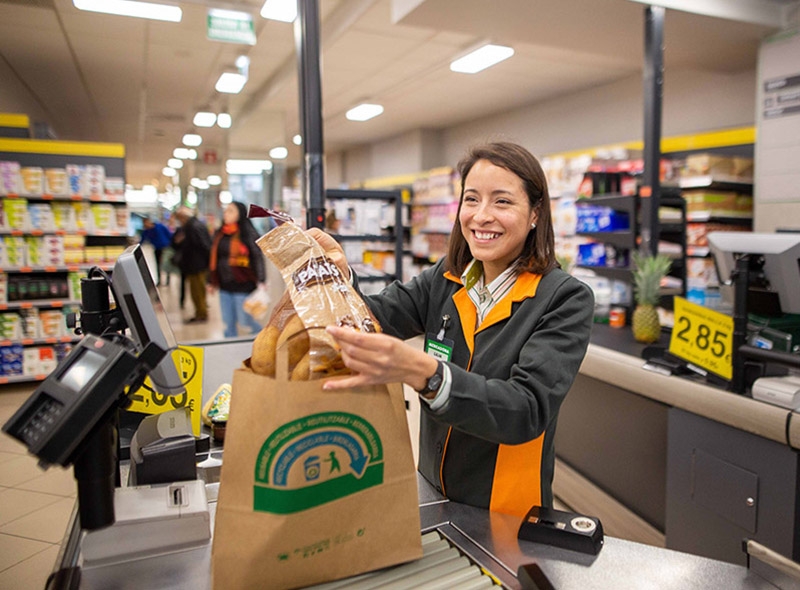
x: 231, y: 27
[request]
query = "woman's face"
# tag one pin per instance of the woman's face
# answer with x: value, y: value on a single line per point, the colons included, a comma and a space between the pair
x: 495, y: 216
x: 230, y: 214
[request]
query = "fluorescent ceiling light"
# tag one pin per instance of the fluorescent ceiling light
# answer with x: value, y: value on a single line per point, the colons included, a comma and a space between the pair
x: 278, y: 153
x: 149, y: 10
x: 364, y: 112
x: 214, y: 179
x: 247, y: 166
x: 192, y: 154
x: 282, y: 10
x: 175, y: 163
x: 204, y: 119
x: 182, y: 153
x: 481, y: 58
x: 191, y: 197
x: 192, y: 139
x: 224, y: 120
x: 297, y: 140
x: 167, y: 171
x: 198, y: 183
x: 225, y: 197
x: 231, y: 82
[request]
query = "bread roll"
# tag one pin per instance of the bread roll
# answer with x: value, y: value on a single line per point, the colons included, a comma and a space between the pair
x: 262, y: 361
x: 298, y: 345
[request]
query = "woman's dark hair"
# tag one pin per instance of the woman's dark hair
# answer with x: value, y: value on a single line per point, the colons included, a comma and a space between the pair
x: 246, y: 227
x: 538, y: 253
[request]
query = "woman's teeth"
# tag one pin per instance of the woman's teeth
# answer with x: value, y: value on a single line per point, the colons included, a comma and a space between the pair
x: 485, y: 235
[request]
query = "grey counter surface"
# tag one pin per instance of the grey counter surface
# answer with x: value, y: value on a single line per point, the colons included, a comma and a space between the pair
x: 489, y: 539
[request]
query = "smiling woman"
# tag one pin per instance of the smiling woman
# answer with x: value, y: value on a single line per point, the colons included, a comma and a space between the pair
x: 491, y: 382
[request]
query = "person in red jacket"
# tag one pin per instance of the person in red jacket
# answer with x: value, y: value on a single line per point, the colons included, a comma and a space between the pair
x: 237, y: 267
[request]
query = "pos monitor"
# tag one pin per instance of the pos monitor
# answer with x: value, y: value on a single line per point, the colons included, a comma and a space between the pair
x: 137, y: 297
x: 774, y: 268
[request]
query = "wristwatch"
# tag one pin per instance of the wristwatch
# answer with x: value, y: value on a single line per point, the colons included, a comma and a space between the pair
x: 434, y: 381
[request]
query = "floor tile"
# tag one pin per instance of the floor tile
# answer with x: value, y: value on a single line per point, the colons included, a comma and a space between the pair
x: 11, y: 445
x: 18, y: 470
x: 32, y: 572
x: 48, y: 524
x: 56, y: 480
x: 16, y: 503
x: 6, y: 456
x: 14, y: 550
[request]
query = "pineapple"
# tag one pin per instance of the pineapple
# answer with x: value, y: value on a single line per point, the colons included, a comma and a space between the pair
x: 647, y: 275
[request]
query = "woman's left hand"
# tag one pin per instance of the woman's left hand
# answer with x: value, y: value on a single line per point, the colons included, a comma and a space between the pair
x: 378, y: 358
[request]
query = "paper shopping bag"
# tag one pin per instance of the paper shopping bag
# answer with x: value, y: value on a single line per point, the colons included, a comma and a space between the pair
x: 315, y: 485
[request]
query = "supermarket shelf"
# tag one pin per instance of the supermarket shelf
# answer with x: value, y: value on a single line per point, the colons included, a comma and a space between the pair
x: 716, y: 181
x: 697, y: 251
x: 106, y: 265
x: 711, y: 216
x: 621, y: 239
x: 63, y: 232
x: 67, y: 197
x: 6, y: 379
x: 611, y: 272
x: 613, y: 200
x: 362, y: 238
x: 12, y: 305
x: 35, y: 341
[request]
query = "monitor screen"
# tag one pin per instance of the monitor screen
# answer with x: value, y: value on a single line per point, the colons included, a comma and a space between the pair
x: 137, y: 296
x: 780, y: 273
x: 82, y: 370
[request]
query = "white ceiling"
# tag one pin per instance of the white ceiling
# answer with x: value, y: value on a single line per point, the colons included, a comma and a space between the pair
x: 96, y: 77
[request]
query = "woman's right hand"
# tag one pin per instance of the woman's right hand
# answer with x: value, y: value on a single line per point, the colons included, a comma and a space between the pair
x: 332, y: 250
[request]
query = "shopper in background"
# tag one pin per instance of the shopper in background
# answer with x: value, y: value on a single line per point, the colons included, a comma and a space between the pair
x: 195, y: 248
x: 160, y: 237
x: 505, y: 329
x: 237, y: 267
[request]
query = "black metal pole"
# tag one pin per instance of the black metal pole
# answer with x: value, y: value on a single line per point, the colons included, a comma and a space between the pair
x: 741, y: 284
x: 653, y: 93
x: 306, y: 35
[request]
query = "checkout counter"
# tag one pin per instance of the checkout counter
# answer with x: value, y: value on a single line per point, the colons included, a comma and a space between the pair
x: 697, y: 468
x: 674, y: 461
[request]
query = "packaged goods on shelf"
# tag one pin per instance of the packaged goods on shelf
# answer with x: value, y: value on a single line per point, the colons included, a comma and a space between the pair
x: 39, y: 360
x: 44, y: 250
x: 701, y: 271
x: 41, y: 217
x: 74, y: 285
x: 114, y: 186
x: 103, y: 217
x: 711, y: 164
x: 591, y: 254
x: 30, y: 323
x: 51, y: 323
x: 702, y: 295
x: 113, y: 252
x: 55, y: 181
x: 95, y: 178
x: 3, y: 288
x: 82, y: 215
x: 94, y: 254
x: 64, y: 216
x: 15, y: 214
x: 592, y: 218
x: 32, y: 180
x: 11, y: 357
x: 122, y: 218
x: 14, y: 251
x: 75, y: 180
x: 10, y: 179
x: 10, y: 326
x: 718, y: 203
x: 697, y: 233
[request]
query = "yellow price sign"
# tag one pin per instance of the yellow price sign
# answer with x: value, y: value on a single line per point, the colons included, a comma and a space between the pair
x: 703, y: 337
x: 189, y: 362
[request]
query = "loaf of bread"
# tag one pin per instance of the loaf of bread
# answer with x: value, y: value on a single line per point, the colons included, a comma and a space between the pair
x: 316, y: 296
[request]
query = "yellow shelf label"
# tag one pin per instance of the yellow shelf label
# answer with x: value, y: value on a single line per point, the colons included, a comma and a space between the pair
x: 703, y: 337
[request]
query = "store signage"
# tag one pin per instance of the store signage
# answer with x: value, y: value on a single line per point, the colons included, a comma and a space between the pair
x: 231, y: 27
x: 210, y: 157
x: 703, y: 337
x: 189, y: 360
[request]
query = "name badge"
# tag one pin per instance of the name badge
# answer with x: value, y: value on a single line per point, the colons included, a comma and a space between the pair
x: 439, y: 349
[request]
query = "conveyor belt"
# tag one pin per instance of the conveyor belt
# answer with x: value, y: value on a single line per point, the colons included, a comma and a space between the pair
x: 442, y: 567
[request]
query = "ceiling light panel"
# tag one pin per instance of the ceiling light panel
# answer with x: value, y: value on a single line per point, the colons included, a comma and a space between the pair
x: 192, y: 140
x: 149, y: 10
x: 224, y: 120
x: 231, y: 82
x: 282, y: 10
x: 364, y: 112
x: 204, y: 119
x: 482, y: 58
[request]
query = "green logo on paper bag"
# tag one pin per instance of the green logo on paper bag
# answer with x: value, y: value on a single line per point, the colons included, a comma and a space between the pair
x: 314, y: 460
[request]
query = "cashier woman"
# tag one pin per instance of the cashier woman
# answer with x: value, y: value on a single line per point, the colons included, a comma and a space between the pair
x: 505, y: 331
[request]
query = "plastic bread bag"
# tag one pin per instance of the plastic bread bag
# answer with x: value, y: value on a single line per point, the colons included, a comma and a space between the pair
x: 319, y: 296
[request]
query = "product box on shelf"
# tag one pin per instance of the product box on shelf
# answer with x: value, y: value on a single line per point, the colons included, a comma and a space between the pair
x: 15, y: 213
x: 593, y: 218
x: 3, y: 287
x: 114, y: 186
x: 10, y: 326
x: 14, y: 250
x: 32, y: 180
x: 30, y: 323
x: 718, y: 203
x: 55, y: 181
x: 709, y: 164
x: 10, y: 180
x: 41, y: 217
x: 591, y: 254
x: 82, y: 215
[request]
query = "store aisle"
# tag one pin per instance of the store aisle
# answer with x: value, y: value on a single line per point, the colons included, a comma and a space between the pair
x: 36, y: 505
